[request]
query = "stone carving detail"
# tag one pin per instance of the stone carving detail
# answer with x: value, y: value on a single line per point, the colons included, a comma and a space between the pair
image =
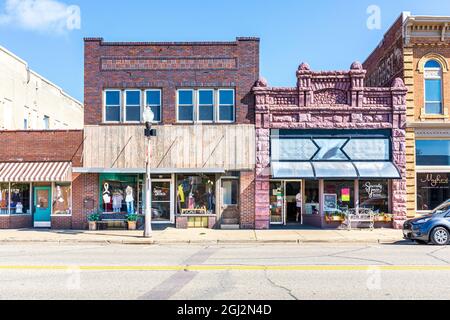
x: 285, y: 100
x: 330, y: 97
x: 261, y: 83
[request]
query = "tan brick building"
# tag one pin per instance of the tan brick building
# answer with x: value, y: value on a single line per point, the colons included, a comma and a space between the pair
x: 417, y: 49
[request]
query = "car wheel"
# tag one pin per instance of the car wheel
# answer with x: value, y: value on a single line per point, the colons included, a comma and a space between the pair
x: 440, y: 236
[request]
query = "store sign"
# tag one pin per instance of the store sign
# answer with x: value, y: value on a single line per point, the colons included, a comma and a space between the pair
x: 374, y: 190
x: 159, y: 193
x: 435, y: 181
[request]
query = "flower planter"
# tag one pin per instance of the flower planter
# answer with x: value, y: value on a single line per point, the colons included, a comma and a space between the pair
x: 131, y: 225
x: 92, y: 225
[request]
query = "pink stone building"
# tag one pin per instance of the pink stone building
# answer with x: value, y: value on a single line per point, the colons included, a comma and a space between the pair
x: 327, y: 146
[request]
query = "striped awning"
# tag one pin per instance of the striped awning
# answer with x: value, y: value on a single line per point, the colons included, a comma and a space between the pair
x: 36, y: 172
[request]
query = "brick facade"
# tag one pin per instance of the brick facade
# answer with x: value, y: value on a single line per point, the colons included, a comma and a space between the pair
x: 328, y: 100
x: 169, y: 66
x: 85, y: 193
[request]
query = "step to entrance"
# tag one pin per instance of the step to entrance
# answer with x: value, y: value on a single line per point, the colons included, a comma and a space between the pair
x: 230, y: 227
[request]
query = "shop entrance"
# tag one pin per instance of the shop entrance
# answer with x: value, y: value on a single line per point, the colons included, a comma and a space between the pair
x: 42, y: 207
x: 293, y: 201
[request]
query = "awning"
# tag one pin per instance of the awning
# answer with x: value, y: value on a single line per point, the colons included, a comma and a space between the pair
x: 36, y: 172
x: 335, y: 170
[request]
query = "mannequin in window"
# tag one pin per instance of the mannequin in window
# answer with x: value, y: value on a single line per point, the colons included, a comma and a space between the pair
x: 129, y: 199
x: 106, y: 198
x: 299, y: 202
x: 117, y: 199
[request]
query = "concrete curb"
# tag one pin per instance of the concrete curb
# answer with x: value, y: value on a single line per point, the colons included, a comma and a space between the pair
x: 200, y: 242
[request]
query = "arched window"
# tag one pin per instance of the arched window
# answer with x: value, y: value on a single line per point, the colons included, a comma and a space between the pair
x: 433, y: 87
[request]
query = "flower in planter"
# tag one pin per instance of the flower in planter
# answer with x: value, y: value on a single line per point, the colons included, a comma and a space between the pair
x: 132, y: 217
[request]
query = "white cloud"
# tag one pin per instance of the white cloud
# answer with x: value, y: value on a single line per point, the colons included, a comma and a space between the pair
x: 50, y: 16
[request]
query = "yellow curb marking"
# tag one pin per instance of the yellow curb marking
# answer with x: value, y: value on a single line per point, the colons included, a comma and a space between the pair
x: 231, y: 267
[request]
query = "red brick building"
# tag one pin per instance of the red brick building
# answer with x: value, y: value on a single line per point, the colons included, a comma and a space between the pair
x: 203, y: 155
x: 36, y: 178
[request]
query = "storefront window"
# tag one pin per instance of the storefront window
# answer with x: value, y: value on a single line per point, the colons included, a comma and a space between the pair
x: 4, y: 196
x: 62, y: 199
x: 338, y: 196
x: 432, y: 190
x: 119, y: 193
x: 276, y: 201
x: 433, y: 152
x: 20, y: 198
x: 196, y: 194
x: 312, y: 197
x: 373, y: 194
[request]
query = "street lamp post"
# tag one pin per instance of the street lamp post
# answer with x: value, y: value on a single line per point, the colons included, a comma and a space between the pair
x: 148, y: 117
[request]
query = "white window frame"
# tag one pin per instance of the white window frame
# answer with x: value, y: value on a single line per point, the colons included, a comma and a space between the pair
x: 178, y: 105
x: 425, y: 78
x: 104, y: 105
x: 226, y: 105
x: 46, y: 122
x: 125, y: 92
x: 197, y: 107
x: 150, y: 105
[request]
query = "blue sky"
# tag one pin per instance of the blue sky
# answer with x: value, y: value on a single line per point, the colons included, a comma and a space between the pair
x: 325, y: 33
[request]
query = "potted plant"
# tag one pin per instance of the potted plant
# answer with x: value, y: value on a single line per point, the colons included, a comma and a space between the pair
x: 132, y: 221
x: 93, y: 218
x: 379, y: 218
x: 388, y: 217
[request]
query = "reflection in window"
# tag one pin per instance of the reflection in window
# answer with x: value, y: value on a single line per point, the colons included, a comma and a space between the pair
x: 312, y: 197
x: 112, y: 105
x: 196, y: 194
x: 338, y: 196
x: 230, y: 192
x: 206, y: 105
x: 4, y: 196
x: 433, y: 87
x: 185, y: 105
x: 433, y: 152
x: 20, y: 198
x: 276, y: 201
x: 226, y: 105
x: 133, y: 105
x: 373, y: 194
x: 62, y: 199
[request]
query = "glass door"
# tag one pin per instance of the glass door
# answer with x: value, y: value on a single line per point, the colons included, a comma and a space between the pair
x: 162, y: 204
x: 293, y: 201
x: 42, y: 207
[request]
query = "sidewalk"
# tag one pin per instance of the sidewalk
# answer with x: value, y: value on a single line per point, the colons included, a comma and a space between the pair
x: 202, y: 236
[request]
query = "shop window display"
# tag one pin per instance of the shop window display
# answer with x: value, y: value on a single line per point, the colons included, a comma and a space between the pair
x: 432, y: 190
x: 4, y: 196
x: 374, y: 195
x: 62, y: 201
x: 312, y: 197
x: 196, y: 194
x: 118, y: 197
x: 276, y: 201
x: 20, y: 198
x: 338, y: 196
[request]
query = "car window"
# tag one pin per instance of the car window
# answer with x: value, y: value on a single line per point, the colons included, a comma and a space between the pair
x: 442, y: 208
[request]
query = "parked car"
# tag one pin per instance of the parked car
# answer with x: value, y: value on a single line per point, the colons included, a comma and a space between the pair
x: 433, y: 227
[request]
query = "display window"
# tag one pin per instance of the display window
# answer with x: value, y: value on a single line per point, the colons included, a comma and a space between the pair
x: 161, y: 201
x: 374, y: 195
x: 312, y: 205
x: 432, y: 190
x: 62, y: 202
x: 119, y: 193
x: 4, y: 198
x: 196, y: 194
x: 338, y: 196
x: 20, y: 198
x: 276, y: 202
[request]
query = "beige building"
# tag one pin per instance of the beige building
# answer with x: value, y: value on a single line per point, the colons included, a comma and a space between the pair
x: 30, y: 102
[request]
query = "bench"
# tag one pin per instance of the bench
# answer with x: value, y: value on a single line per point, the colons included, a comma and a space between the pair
x: 113, y: 219
x: 361, y: 215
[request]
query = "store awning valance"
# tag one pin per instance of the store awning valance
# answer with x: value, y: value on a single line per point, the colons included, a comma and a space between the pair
x: 36, y: 172
x: 335, y: 170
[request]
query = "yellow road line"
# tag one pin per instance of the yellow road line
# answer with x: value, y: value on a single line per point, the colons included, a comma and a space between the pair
x: 234, y: 267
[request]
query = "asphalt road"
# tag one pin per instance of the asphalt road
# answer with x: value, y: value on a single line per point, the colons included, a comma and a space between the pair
x: 322, y: 271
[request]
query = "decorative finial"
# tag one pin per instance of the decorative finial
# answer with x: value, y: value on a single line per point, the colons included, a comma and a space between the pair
x: 356, y: 66
x: 304, y: 67
x: 398, y: 83
x: 261, y: 82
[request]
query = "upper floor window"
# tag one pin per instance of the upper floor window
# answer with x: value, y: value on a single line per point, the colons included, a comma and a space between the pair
x: 132, y: 106
x: 433, y: 87
x: 112, y: 105
x: 205, y: 105
x: 153, y: 100
x: 127, y: 105
x: 226, y: 105
x: 46, y: 122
